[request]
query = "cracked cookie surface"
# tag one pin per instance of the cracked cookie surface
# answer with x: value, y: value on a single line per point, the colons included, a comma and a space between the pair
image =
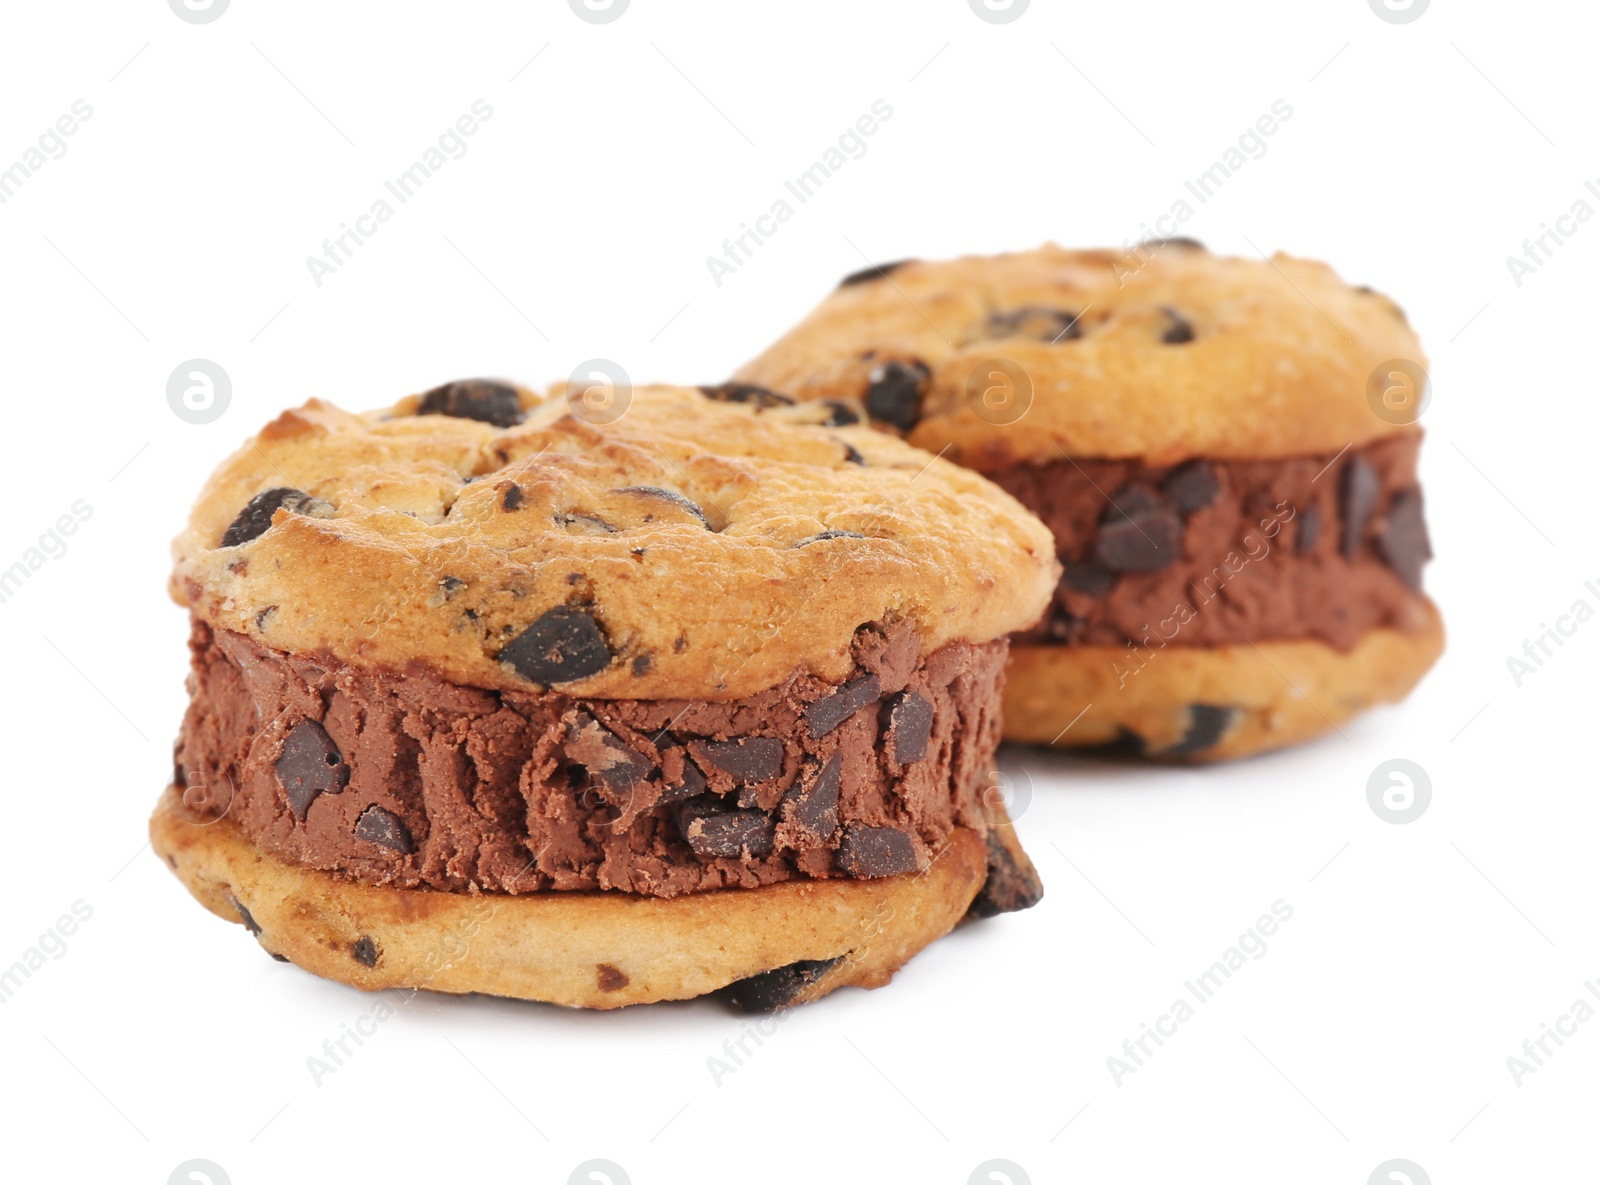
x: 691, y: 547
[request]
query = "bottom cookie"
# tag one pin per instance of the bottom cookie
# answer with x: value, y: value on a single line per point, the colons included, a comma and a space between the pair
x: 771, y: 947
x: 1209, y: 703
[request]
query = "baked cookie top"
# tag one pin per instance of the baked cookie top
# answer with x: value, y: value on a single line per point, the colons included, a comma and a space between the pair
x: 691, y: 547
x: 1164, y: 354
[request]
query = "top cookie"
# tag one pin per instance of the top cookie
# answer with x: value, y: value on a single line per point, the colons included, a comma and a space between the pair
x: 688, y: 548
x: 1161, y: 355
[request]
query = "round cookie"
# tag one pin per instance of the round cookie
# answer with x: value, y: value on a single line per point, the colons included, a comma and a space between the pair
x: 1211, y: 704
x: 618, y: 672
x: 1162, y: 356
x: 764, y: 949
x: 394, y: 523
x: 1225, y: 450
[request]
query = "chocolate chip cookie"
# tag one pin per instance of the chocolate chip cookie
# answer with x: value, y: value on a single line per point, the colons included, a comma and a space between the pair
x: 623, y: 681
x: 1225, y: 450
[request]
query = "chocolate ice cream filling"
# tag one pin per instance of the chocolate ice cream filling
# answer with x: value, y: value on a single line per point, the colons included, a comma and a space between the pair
x: 1216, y: 553
x: 401, y: 778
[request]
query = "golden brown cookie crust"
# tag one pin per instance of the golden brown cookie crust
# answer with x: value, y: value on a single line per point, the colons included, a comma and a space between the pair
x: 1278, y: 364
x: 584, y: 950
x: 415, y: 563
x: 1273, y: 695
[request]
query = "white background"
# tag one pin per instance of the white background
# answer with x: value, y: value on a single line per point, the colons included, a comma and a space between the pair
x: 177, y: 225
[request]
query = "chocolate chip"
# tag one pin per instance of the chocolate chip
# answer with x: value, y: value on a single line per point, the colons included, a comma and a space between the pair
x: 1192, y: 486
x: 840, y: 413
x: 825, y: 715
x: 1049, y: 325
x: 262, y: 615
x: 895, y: 393
x: 1403, y: 543
x: 1139, y: 531
x: 1087, y: 577
x: 1310, y: 529
x: 713, y: 830
x: 250, y: 923
x: 452, y: 585
x: 608, y: 979
x: 365, y: 951
x: 746, y: 393
x: 671, y: 496
x: 747, y: 760
x: 485, y: 400
x: 1012, y: 884
x: 385, y: 829
x: 563, y: 645
x: 257, y: 514
x: 277, y: 958
x: 876, y: 272
x: 585, y: 524
x: 1176, y: 241
x: 813, y: 802
x: 690, y: 785
x: 641, y: 664
x: 852, y: 455
x: 777, y: 988
x: 876, y: 851
x: 910, y: 725
x: 1126, y: 743
x: 1359, y: 495
x: 616, y: 766
x: 309, y: 765
x: 1178, y: 331
x: 512, y: 498
x: 820, y: 536
x: 1208, y: 724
